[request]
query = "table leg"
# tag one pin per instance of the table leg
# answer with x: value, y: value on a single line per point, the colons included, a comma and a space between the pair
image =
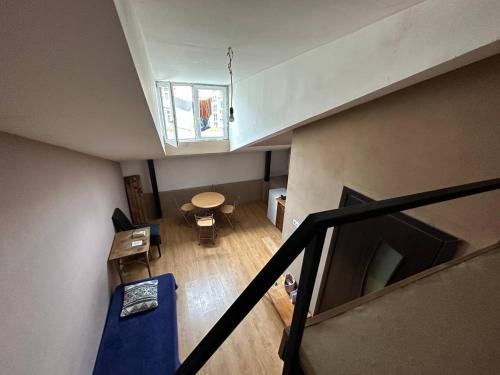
x: 118, y: 268
x: 147, y: 263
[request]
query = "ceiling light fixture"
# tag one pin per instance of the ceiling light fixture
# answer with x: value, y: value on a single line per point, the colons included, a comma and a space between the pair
x: 230, y: 68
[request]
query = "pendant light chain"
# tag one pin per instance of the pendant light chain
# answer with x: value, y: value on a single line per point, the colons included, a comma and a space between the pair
x: 230, y: 68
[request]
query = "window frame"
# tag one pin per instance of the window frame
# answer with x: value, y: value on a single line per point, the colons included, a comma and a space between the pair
x: 159, y: 85
x: 196, y: 109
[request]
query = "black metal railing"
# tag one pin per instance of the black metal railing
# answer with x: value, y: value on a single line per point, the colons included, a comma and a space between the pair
x: 310, y: 235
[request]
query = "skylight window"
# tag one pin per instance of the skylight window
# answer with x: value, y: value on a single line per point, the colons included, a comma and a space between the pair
x: 193, y: 112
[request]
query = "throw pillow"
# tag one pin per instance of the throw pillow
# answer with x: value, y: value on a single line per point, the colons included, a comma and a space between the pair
x: 140, y: 297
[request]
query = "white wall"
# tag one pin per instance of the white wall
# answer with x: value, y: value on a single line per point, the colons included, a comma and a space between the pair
x: 137, y: 47
x: 198, y: 148
x: 186, y: 172
x: 55, y: 236
x: 422, y: 41
x: 280, y: 160
x: 192, y: 171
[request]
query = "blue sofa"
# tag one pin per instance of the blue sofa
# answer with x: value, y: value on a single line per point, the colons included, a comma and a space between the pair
x: 144, y: 343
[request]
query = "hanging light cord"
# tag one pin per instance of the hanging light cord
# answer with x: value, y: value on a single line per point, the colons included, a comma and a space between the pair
x: 230, y: 68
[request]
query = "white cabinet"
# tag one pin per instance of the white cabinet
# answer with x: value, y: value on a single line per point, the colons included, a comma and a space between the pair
x: 272, y: 204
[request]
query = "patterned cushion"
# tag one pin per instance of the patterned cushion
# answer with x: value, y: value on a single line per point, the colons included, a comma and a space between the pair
x: 140, y: 297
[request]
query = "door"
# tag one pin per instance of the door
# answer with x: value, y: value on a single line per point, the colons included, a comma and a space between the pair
x: 370, y: 254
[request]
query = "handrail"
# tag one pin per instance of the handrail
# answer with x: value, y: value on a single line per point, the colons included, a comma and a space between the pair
x: 310, y: 235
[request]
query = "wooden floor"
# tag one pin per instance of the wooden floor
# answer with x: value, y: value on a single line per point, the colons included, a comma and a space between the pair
x: 210, y: 277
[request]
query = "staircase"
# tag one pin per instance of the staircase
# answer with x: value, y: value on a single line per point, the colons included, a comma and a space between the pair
x: 444, y: 320
x: 404, y: 340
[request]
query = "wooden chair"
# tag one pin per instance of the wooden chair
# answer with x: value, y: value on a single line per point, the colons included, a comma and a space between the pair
x: 185, y: 209
x: 229, y: 210
x: 206, y: 228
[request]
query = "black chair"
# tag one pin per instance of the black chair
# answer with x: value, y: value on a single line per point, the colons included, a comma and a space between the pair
x: 122, y: 223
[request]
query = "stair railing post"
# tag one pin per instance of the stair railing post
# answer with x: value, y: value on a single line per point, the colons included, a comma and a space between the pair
x: 308, y: 272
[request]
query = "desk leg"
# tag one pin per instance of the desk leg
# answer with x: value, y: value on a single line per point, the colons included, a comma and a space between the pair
x: 147, y: 263
x: 118, y: 268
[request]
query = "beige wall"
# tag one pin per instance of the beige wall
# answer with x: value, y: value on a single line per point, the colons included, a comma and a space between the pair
x: 67, y: 78
x: 441, y: 132
x: 55, y: 235
x: 415, y: 328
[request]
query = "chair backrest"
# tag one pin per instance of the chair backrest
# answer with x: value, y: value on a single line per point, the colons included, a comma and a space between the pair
x: 176, y: 203
x: 236, y: 202
x: 205, y: 217
x: 120, y: 221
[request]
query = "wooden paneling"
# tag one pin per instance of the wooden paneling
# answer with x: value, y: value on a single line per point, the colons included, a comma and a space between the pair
x: 133, y: 188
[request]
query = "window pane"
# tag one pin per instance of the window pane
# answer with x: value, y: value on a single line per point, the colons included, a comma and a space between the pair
x: 168, y: 114
x: 184, y: 116
x: 385, y: 261
x: 211, y: 119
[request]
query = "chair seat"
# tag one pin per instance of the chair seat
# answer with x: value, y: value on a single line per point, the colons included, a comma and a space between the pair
x: 227, y: 209
x: 187, y: 207
x: 154, y: 230
x: 155, y: 236
x: 205, y: 222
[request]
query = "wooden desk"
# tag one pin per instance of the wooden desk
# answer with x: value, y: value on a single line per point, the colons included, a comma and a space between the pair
x: 208, y: 200
x: 122, y: 251
x: 280, y: 213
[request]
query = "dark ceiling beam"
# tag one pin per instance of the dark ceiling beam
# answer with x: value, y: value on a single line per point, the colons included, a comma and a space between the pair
x: 154, y: 185
x: 267, y: 169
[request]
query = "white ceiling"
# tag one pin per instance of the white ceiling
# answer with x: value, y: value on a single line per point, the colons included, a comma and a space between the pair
x: 67, y: 78
x: 280, y: 140
x: 187, y: 41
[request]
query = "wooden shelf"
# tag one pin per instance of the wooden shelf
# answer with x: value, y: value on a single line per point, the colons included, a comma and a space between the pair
x: 280, y: 213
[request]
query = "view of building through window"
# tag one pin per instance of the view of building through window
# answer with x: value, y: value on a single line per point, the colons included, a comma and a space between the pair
x: 212, y: 108
x: 197, y: 111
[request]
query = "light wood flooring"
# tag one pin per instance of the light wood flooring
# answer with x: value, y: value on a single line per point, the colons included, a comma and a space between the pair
x: 210, y: 277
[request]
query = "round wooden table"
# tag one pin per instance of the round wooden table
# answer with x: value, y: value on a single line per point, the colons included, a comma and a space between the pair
x: 208, y: 200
